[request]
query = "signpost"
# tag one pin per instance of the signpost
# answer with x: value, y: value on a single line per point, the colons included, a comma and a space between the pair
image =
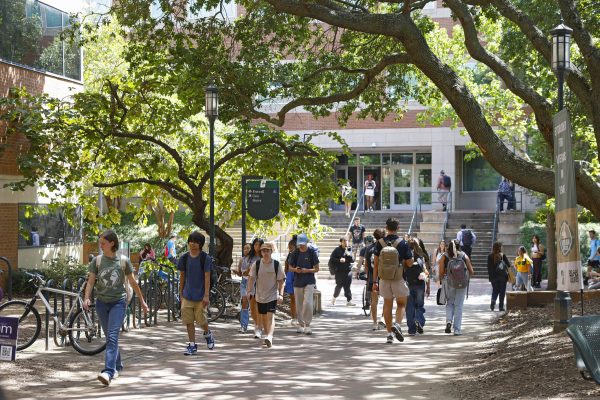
x: 567, y: 233
x: 263, y: 198
x: 8, y: 338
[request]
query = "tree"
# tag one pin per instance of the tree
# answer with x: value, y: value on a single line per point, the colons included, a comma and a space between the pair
x: 367, y: 58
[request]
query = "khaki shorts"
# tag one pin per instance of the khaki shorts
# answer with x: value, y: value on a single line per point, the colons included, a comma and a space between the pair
x: 391, y: 289
x: 193, y: 311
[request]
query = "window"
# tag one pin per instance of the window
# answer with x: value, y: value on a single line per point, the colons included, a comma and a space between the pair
x: 402, y: 158
x: 30, y: 35
x: 479, y: 176
x: 370, y: 159
x: 51, y: 225
x: 423, y: 158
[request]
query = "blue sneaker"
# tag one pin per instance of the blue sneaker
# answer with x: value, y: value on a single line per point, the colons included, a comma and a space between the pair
x: 191, y: 350
x: 210, y: 340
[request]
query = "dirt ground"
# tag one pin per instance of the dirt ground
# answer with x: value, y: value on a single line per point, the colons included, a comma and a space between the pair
x: 522, y: 358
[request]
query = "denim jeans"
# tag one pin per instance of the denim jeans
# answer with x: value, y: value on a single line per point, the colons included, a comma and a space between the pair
x: 454, y: 306
x: 498, y: 291
x: 522, y: 280
x: 111, y: 317
x: 415, y: 307
x: 244, y: 312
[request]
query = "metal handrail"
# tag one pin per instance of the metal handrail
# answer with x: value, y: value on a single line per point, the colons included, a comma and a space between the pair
x: 414, y: 219
x: 448, y: 207
x: 495, y: 227
x: 361, y: 199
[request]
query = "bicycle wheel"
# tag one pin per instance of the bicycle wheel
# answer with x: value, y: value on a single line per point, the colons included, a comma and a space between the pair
x: 366, y: 301
x: 174, y: 304
x: 85, y: 332
x: 30, y: 322
x: 216, y: 306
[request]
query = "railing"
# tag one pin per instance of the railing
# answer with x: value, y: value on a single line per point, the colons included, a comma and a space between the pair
x: 448, y: 207
x: 361, y: 199
x: 495, y: 226
x: 416, y: 212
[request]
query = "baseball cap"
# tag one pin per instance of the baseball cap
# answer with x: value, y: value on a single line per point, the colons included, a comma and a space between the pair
x: 302, y: 239
x: 267, y: 245
x: 370, y: 239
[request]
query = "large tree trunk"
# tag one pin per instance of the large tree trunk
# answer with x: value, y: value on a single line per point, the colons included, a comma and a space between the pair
x: 551, y: 249
x: 164, y: 227
x: 224, y: 242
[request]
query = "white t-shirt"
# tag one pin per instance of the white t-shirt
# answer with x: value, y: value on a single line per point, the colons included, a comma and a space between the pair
x: 266, y: 283
x: 370, y: 188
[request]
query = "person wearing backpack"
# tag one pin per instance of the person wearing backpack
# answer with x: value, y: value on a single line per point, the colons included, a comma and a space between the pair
x: 305, y: 264
x: 443, y: 186
x: 115, y: 279
x: 416, y: 278
x: 466, y: 238
x: 497, y: 266
x: 538, y: 254
x: 455, y: 268
x: 392, y: 255
x: 268, y: 290
x: 195, y: 268
x: 341, y: 259
x: 171, y: 250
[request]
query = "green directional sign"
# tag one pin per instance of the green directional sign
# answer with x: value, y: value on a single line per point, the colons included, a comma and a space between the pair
x: 262, y: 197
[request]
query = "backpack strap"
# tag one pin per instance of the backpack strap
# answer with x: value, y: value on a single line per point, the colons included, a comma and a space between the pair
x: 98, y: 261
x: 382, y: 242
x: 397, y: 242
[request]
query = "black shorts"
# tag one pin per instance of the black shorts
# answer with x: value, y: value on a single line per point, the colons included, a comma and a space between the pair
x: 269, y: 307
x: 593, y: 263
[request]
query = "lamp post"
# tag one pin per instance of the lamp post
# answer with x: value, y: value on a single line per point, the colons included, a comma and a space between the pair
x: 561, y: 56
x: 567, y: 254
x: 211, y: 94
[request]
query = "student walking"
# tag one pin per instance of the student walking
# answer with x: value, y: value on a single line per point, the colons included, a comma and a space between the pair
x: 497, y: 266
x: 466, y: 238
x: 437, y: 256
x: 444, y: 186
x: 194, y: 276
x: 391, y: 255
x: 456, y: 268
x: 304, y: 264
x: 538, y: 253
x: 348, y: 196
x: 289, y: 280
x: 367, y: 256
x: 342, y: 260
x: 254, y: 256
x: 171, y: 249
x: 243, y: 270
x: 523, y: 264
x: 370, y: 186
x: 115, y: 276
x: 265, y: 283
x: 358, y: 233
x: 416, y: 278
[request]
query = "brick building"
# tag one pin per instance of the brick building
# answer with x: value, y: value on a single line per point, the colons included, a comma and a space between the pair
x: 38, y: 60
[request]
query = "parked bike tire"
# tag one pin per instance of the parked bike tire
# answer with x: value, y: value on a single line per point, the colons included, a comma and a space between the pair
x: 87, y: 343
x: 216, y: 306
x: 366, y: 300
x: 30, y: 322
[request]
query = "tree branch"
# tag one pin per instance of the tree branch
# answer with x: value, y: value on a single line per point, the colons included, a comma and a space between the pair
x: 369, y: 75
x: 170, y: 188
x: 541, y: 107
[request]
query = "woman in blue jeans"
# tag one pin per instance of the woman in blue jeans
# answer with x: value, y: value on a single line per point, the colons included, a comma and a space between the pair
x: 243, y: 270
x: 454, y: 297
x: 111, y: 299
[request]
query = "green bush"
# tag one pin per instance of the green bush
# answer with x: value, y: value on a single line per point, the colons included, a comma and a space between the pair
x: 62, y: 268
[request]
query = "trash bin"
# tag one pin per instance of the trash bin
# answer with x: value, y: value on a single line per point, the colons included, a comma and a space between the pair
x: 562, y: 311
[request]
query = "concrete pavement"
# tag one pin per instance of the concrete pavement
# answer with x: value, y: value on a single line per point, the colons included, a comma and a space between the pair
x: 343, y: 358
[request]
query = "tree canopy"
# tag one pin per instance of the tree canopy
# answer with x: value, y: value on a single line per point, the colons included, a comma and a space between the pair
x: 490, y: 73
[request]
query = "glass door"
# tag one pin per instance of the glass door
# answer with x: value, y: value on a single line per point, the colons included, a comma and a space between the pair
x: 401, y: 187
x: 423, y: 186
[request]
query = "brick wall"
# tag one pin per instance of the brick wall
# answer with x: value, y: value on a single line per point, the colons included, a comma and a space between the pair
x: 8, y: 237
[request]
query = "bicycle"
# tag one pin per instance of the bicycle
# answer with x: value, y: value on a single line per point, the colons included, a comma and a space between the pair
x: 83, y: 327
x: 165, y: 288
x: 230, y: 289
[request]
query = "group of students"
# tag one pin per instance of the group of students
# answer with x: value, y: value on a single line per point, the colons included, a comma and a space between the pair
x: 499, y: 270
x: 398, y: 269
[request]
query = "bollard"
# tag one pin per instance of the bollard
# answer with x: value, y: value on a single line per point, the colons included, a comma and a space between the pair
x: 317, y: 302
x: 562, y: 311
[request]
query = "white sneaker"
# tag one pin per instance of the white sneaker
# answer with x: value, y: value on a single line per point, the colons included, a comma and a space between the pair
x: 376, y: 326
x: 333, y: 301
x: 116, y: 374
x: 350, y: 304
x: 308, y: 330
x: 299, y: 329
x: 257, y: 333
x: 242, y: 329
x: 104, y: 377
x: 293, y: 322
x: 269, y: 341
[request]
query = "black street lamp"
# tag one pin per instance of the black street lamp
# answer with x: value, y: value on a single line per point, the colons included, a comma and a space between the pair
x: 561, y: 56
x: 211, y: 94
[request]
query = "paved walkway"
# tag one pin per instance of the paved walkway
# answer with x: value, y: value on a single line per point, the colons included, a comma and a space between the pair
x: 342, y: 359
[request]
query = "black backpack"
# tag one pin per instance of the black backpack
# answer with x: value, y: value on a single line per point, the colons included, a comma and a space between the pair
x: 411, y: 275
x: 467, y: 237
x: 502, y: 268
x: 447, y: 181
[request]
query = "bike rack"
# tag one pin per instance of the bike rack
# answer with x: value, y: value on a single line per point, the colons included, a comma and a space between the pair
x: 10, y: 276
